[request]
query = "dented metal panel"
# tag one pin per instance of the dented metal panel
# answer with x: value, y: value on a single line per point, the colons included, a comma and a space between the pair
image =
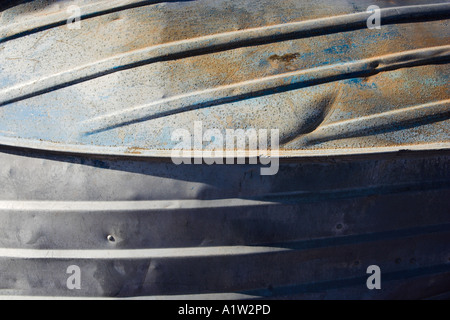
x: 86, y: 123
x: 197, y: 232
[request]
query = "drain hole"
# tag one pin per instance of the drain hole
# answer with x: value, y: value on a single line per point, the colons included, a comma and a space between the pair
x: 111, y: 238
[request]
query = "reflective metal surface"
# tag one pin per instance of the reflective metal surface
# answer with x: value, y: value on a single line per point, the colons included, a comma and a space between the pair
x: 138, y: 70
x: 86, y: 123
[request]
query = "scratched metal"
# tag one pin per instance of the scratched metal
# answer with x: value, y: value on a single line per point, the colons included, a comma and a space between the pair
x: 86, y: 118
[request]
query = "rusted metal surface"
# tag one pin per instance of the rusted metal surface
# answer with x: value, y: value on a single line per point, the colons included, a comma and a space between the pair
x: 86, y: 118
x: 130, y: 77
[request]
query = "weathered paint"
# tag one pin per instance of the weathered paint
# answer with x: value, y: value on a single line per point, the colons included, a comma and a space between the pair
x: 86, y: 118
x: 120, y: 81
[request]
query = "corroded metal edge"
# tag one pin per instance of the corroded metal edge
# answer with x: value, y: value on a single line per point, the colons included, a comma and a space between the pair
x: 139, y: 152
x: 133, y: 152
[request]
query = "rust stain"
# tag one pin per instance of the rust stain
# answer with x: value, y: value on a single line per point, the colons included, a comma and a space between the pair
x: 285, y: 60
x: 134, y: 150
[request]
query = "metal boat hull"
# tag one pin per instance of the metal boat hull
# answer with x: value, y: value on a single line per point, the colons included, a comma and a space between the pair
x: 224, y: 231
x: 86, y: 122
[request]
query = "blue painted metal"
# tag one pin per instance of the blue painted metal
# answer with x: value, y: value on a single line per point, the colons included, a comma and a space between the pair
x: 86, y: 121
